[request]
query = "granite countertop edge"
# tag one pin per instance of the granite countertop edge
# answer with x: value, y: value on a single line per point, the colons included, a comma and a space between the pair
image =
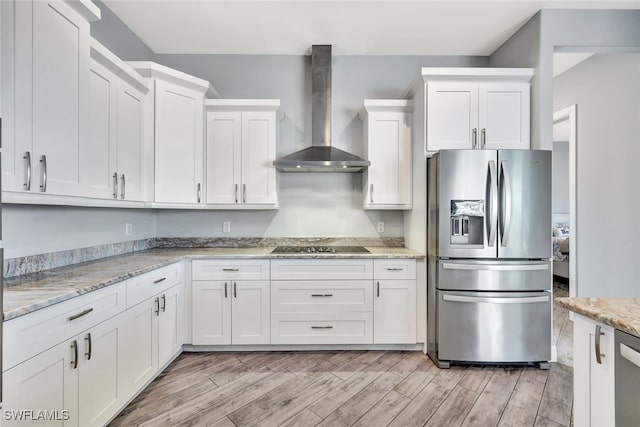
x: 620, y: 313
x: 42, y: 290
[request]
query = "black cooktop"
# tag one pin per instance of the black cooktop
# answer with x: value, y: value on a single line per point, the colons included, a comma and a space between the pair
x: 320, y: 250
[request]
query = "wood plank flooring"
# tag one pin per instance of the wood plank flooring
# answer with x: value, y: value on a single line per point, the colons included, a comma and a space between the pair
x: 352, y: 388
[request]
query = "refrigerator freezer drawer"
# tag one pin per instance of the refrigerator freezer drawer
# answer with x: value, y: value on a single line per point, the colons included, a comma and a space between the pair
x: 471, y: 275
x: 494, y: 327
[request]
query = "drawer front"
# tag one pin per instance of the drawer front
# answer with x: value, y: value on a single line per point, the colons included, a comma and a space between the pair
x: 145, y: 286
x: 36, y: 332
x: 292, y: 296
x: 475, y: 275
x: 230, y: 269
x: 321, y: 269
x: 394, y: 269
x: 321, y: 328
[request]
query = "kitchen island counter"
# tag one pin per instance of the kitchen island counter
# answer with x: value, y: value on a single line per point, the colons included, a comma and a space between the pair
x: 28, y: 293
x: 620, y: 313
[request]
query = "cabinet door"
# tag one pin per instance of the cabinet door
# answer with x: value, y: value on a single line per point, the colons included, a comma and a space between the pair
x: 130, y: 143
x: 60, y: 78
x: 452, y: 115
x: 101, y: 144
x: 389, y: 150
x: 394, y: 312
x: 170, y: 336
x: 99, y: 391
x: 211, y: 311
x: 47, y: 381
x: 504, y: 115
x: 138, y: 346
x: 258, y: 154
x: 178, y: 144
x: 223, y: 157
x: 250, y: 313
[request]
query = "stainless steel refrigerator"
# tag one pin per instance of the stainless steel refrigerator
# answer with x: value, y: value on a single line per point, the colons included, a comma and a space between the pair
x: 489, y: 248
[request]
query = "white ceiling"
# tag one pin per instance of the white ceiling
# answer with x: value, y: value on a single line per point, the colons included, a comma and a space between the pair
x: 353, y: 27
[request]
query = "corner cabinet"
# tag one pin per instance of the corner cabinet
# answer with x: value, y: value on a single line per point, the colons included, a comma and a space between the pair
x: 179, y: 115
x: 387, y: 145
x: 241, y: 148
x: 474, y: 108
x: 594, y: 373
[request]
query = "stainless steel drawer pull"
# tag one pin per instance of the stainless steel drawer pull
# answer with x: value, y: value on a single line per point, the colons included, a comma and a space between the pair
x: 160, y: 280
x: 230, y: 269
x: 474, y: 138
x: 79, y: 315
x: 74, y: 355
x: 395, y: 268
x: 236, y: 193
x: 321, y: 295
x: 378, y: 290
x: 164, y: 303
x: 225, y: 289
x: 199, y: 191
x: 371, y: 194
x: 27, y: 180
x: 115, y: 185
x: 516, y: 300
x: 483, y: 138
x: 322, y: 327
x: 244, y: 193
x: 124, y: 184
x: 494, y: 267
x: 43, y: 162
x: 87, y: 339
x: 599, y: 355
x: 157, y: 309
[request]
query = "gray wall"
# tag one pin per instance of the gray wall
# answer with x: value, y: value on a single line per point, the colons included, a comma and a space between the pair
x: 606, y: 90
x: 560, y: 178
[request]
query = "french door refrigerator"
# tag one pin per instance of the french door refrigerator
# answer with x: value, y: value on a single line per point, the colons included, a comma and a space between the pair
x: 489, y: 248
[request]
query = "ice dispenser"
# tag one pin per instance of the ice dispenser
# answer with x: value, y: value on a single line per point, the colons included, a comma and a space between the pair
x: 467, y: 222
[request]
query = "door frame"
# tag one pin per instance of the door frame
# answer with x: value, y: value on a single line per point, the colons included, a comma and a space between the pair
x: 570, y: 113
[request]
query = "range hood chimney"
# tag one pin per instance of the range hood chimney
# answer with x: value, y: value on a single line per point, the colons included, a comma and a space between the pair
x: 321, y: 156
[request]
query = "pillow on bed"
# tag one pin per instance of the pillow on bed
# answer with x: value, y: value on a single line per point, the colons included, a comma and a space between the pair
x: 560, y: 230
x: 564, y: 246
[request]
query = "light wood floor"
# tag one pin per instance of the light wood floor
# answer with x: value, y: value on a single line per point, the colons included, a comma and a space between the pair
x: 344, y: 388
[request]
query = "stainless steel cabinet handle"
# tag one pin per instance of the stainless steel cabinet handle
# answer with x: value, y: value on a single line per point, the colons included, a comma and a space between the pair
x: 371, y: 194
x: 157, y: 303
x: 225, y: 289
x: 378, y: 290
x: 474, y: 138
x: 516, y: 300
x: 230, y: 269
x: 483, y: 138
x: 74, y: 354
x: 492, y: 217
x: 87, y: 339
x: 395, y: 268
x: 79, y: 315
x: 164, y: 303
x: 322, y: 327
x: 115, y: 185
x: 199, y: 192
x: 244, y: 193
x: 27, y: 179
x: 159, y: 280
x: 43, y: 167
x: 599, y: 355
x: 505, y: 204
x: 123, y: 189
x: 235, y: 290
x: 493, y: 267
x: 236, y: 193
x: 321, y: 295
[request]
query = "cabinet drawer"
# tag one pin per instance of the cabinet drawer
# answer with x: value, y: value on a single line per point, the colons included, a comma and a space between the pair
x: 231, y: 269
x: 145, y: 286
x: 321, y: 296
x: 321, y: 269
x: 38, y: 331
x: 322, y: 328
x: 394, y: 269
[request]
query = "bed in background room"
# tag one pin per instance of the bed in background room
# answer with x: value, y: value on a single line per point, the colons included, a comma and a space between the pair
x: 561, y: 235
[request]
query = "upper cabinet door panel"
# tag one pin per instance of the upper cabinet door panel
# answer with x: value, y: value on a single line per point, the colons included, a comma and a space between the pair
x: 504, y: 115
x: 223, y: 157
x: 130, y: 147
x: 452, y: 114
x: 258, y: 154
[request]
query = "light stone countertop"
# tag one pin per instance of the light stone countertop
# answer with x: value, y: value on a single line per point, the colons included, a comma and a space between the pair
x: 620, y: 313
x: 25, y: 294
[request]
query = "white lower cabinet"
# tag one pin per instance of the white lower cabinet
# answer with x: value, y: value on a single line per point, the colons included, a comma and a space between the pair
x: 170, y: 329
x: 594, y: 374
x: 395, y: 312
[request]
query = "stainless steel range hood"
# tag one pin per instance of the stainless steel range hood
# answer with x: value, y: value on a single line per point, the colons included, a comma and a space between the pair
x: 321, y: 156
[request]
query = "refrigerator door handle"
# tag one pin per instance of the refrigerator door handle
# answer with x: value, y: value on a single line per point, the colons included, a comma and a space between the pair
x: 492, y: 267
x: 505, y: 190
x: 492, y: 197
x: 523, y: 300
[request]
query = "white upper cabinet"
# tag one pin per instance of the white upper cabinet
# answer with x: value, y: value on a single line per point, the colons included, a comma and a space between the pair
x: 120, y: 146
x: 474, y: 108
x: 241, y: 148
x: 179, y: 127
x: 387, y: 145
x: 46, y: 65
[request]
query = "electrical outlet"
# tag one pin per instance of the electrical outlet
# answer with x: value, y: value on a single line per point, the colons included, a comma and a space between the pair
x: 226, y: 226
x: 128, y: 229
x: 380, y: 227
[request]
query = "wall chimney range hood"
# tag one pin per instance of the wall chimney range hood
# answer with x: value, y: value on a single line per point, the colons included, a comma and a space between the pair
x: 321, y: 156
